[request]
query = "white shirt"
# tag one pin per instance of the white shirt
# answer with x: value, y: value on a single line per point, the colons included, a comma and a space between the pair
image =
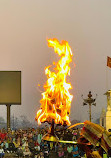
x: 1, y: 151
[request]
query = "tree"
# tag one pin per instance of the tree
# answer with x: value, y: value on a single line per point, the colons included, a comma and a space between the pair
x: 2, y: 123
x: 25, y: 123
x: 97, y: 121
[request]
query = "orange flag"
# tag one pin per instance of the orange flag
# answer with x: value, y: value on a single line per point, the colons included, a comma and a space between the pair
x: 109, y: 62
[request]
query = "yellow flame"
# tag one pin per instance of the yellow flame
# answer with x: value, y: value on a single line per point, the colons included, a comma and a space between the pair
x: 56, y: 100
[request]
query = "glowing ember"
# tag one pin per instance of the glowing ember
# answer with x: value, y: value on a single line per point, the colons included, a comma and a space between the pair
x: 56, y: 100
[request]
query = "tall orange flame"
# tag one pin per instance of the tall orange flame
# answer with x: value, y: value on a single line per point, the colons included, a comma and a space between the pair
x: 56, y: 100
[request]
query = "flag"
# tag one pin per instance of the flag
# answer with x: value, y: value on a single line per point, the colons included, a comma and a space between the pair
x: 109, y: 62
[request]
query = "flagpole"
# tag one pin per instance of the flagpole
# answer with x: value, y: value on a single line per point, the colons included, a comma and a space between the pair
x: 107, y: 75
x: 110, y: 77
x: 106, y: 78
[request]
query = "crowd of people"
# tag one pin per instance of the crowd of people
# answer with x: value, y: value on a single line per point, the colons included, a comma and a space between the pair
x: 29, y: 143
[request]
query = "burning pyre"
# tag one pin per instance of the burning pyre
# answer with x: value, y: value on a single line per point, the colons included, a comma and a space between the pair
x: 56, y: 100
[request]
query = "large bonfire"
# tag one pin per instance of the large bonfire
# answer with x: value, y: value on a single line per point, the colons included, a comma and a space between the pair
x: 56, y: 100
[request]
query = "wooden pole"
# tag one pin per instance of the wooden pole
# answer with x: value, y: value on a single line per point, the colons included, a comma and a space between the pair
x: 8, y: 116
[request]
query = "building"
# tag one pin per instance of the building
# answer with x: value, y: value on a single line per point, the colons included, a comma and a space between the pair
x: 103, y: 118
x: 108, y: 112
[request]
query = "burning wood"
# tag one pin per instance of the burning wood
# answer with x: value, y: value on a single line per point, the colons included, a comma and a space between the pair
x: 56, y: 100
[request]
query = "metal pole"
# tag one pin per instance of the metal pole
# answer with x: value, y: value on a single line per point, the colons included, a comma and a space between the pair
x: 13, y: 122
x: 52, y: 127
x: 8, y: 116
x: 89, y: 101
x: 90, y: 112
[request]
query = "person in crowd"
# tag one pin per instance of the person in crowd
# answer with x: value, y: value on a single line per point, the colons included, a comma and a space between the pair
x: 56, y: 147
x: 46, y: 150
x: 36, y: 143
x: 30, y: 135
x: 78, y: 133
x: 3, y: 135
x: 39, y: 137
x: 65, y: 149
x: 5, y: 145
x: 75, y: 151
x: 51, y: 146
x: 20, y: 152
x: 74, y: 137
x: 1, y: 152
x: 60, y: 151
x: 16, y: 143
x: 40, y: 155
x: 9, y: 133
x: 12, y: 148
x: 2, y: 143
x: 32, y: 146
x: 37, y: 147
x: 34, y: 137
x: 19, y: 139
x: 42, y: 145
x: 13, y: 135
x: 25, y: 144
x: 26, y: 151
x: 25, y: 133
x: 69, y: 151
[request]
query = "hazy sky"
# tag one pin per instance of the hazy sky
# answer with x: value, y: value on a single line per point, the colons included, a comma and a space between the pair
x: 85, y: 24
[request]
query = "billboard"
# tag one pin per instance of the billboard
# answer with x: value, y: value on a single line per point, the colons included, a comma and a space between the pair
x: 10, y: 87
